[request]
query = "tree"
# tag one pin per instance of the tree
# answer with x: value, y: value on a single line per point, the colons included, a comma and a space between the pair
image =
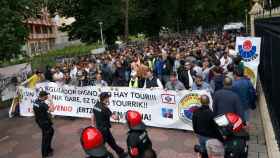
x: 88, y: 14
x: 145, y: 16
x: 13, y: 32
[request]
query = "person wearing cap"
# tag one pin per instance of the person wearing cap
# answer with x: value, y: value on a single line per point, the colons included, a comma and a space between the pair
x: 93, y: 144
x: 138, y: 141
x: 42, y: 118
x: 203, y: 122
x: 101, y: 118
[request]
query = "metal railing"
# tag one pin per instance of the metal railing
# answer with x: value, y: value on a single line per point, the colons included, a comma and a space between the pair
x: 275, y: 12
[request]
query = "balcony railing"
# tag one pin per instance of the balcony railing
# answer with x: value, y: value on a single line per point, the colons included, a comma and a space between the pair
x: 42, y: 36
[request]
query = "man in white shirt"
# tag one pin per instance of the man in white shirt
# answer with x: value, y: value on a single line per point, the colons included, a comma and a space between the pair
x: 225, y: 61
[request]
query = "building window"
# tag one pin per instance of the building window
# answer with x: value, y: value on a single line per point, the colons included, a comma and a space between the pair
x: 45, y: 30
x: 33, y: 48
x: 38, y: 29
x: 30, y: 27
x: 50, y: 30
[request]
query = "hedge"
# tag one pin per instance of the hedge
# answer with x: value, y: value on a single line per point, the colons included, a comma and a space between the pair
x: 40, y: 61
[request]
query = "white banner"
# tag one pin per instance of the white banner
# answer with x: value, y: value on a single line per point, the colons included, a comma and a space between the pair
x: 249, y: 49
x: 160, y: 108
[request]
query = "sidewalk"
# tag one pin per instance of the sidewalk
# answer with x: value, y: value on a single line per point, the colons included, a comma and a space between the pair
x: 257, y: 144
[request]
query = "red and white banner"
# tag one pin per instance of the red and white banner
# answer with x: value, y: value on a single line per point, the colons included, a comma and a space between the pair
x: 159, y: 108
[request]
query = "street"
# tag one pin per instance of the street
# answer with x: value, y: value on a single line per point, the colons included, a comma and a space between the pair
x: 21, y: 138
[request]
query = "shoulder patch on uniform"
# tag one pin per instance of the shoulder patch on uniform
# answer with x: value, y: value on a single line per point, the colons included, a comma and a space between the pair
x: 97, y: 109
x: 36, y: 105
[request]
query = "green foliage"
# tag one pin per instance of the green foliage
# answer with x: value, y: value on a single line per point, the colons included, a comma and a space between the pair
x: 13, y: 32
x: 48, y: 58
x: 41, y: 61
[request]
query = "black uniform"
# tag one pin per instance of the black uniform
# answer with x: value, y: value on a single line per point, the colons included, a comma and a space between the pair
x: 102, y: 116
x: 43, y: 119
x: 138, y: 139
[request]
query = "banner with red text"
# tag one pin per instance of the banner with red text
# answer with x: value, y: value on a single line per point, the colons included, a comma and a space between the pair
x: 159, y: 108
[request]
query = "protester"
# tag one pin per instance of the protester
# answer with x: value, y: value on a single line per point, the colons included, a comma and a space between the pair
x: 186, y: 75
x: 244, y: 89
x: 48, y: 74
x: 199, y: 84
x: 225, y: 100
x: 119, y: 75
x: 151, y: 81
x: 217, y: 80
x: 203, y: 123
x: 58, y: 76
x: 81, y: 76
x: 34, y: 79
x: 174, y: 83
x: 134, y: 81
x: 99, y: 82
x: 225, y: 61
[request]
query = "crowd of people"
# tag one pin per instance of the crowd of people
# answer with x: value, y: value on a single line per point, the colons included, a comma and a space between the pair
x: 196, y: 62
x: 193, y: 62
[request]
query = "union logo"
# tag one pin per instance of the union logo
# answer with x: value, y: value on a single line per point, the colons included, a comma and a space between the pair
x: 187, y: 105
x: 247, y: 50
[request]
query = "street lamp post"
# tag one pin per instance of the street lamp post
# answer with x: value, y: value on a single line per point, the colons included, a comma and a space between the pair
x: 101, y: 33
x: 246, y: 18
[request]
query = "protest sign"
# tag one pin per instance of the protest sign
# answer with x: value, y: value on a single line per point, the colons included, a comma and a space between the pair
x: 249, y: 49
x: 160, y: 108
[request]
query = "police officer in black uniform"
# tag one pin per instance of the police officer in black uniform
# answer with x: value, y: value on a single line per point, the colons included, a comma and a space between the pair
x: 93, y: 143
x: 42, y: 117
x: 101, y: 118
x: 138, y: 142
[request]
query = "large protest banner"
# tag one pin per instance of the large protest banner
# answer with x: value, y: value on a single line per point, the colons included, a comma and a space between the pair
x: 160, y: 108
x: 249, y: 49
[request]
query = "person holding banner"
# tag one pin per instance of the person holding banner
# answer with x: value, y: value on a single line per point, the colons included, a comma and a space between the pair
x: 31, y: 82
x: 43, y: 119
x: 101, y: 118
x: 151, y: 81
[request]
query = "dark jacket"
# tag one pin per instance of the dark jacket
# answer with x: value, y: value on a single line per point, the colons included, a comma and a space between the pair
x: 203, y: 123
x: 42, y: 117
x: 102, y: 116
x: 225, y: 101
x: 167, y: 66
x: 138, y: 139
x: 184, y: 77
x: 119, y: 77
x: 151, y: 83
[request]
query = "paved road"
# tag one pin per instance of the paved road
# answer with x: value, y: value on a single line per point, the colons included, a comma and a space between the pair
x: 21, y: 138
